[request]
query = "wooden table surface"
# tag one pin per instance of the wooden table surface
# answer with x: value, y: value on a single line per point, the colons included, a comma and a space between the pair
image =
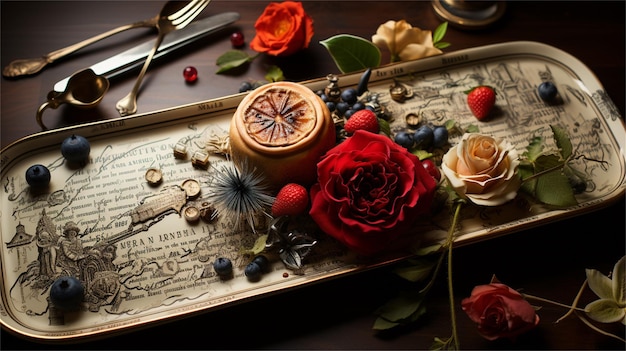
x: 547, y: 261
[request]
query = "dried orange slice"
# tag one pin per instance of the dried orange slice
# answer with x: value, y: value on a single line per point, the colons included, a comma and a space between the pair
x: 282, y: 128
x: 280, y: 116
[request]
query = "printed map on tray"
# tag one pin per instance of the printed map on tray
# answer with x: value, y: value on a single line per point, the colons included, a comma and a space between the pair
x: 144, y: 247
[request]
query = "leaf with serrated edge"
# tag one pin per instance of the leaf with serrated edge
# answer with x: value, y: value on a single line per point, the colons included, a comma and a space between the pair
x: 534, y: 148
x: 562, y: 141
x: 553, y: 188
x: 352, y: 53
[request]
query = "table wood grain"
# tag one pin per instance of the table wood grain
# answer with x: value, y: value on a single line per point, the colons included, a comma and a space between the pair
x: 547, y: 261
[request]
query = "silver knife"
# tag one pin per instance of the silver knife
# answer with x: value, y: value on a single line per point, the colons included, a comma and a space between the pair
x: 134, y: 57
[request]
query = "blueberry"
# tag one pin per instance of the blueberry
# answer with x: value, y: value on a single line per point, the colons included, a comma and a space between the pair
x: 262, y: 261
x: 547, y: 91
x: 245, y: 86
x: 440, y: 136
x: 75, y: 149
x: 357, y: 106
x: 349, y: 95
x: 38, y: 176
x: 223, y: 266
x: 331, y: 106
x: 423, y: 137
x: 349, y: 113
x: 67, y: 293
x: 253, y: 271
x: 404, y: 139
x: 342, y: 107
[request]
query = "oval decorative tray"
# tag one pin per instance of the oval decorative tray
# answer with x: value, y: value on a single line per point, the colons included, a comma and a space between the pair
x: 142, y: 262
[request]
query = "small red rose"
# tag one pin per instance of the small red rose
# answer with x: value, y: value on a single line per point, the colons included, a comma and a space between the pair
x: 499, y: 311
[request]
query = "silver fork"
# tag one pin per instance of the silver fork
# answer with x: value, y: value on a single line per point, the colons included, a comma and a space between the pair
x: 167, y: 22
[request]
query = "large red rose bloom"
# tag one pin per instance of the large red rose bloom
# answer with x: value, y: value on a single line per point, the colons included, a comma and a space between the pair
x: 369, y: 191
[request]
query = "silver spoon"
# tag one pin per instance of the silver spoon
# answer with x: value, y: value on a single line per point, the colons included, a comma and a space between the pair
x: 84, y: 89
x: 172, y: 18
x: 22, y: 67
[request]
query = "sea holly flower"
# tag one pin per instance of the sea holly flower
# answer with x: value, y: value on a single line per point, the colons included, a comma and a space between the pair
x: 404, y: 41
x: 611, y: 307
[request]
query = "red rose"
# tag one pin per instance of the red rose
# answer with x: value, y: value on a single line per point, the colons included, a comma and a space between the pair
x: 499, y: 311
x: 282, y: 29
x: 369, y: 191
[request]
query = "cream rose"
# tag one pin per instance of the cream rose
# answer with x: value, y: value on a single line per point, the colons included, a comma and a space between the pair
x: 482, y: 169
x: 404, y: 41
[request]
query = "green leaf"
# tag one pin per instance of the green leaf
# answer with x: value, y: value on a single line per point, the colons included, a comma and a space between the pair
x: 553, y: 188
x: 423, y: 251
x: 422, y: 154
x: 418, y: 269
x: 526, y: 170
x: 259, y: 246
x: 562, y: 141
x: 274, y: 74
x: 232, y: 59
x: 402, y: 307
x: 383, y: 324
x: 605, y: 311
x: 352, y: 53
x: 472, y: 128
x: 384, y: 127
x: 440, y: 32
x: 441, y: 45
x: 534, y: 149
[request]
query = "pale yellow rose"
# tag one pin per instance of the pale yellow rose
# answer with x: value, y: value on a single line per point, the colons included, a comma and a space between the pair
x: 483, y: 169
x: 404, y: 41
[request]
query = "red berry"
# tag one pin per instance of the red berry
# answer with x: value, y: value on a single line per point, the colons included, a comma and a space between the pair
x: 431, y: 168
x: 362, y: 120
x: 190, y: 73
x: 481, y: 100
x: 237, y: 39
x: 292, y: 200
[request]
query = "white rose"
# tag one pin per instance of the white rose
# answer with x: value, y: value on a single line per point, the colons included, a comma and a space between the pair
x: 483, y: 169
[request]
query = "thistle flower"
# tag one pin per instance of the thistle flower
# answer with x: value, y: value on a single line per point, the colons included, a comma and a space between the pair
x: 240, y: 193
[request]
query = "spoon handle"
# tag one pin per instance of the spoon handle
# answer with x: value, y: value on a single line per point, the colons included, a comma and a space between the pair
x: 23, y: 67
x: 57, y: 54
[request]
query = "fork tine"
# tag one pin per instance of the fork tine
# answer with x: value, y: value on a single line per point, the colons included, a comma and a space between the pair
x: 183, y: 10
x: 190, y: 15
